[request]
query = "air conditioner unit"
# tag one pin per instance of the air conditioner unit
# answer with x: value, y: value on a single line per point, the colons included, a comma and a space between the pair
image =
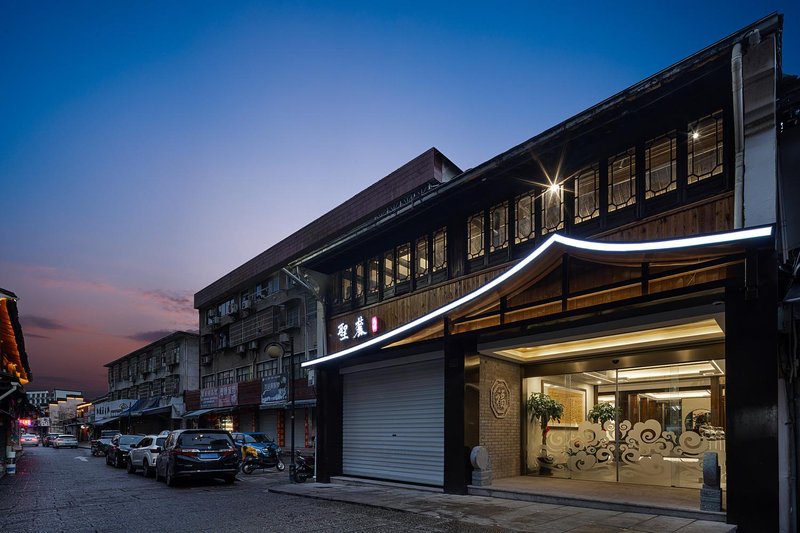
x: 253, y: 345
x: 241, y: 349
x: 245, y: 304
x: 205, y: 360
x: 216, y: 321
x: 234, y: 309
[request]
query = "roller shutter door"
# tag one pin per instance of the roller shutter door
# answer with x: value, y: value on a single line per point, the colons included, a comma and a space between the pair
x: 393, y: 423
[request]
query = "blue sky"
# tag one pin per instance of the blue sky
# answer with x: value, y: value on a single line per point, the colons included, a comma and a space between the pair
x: 148, y: 148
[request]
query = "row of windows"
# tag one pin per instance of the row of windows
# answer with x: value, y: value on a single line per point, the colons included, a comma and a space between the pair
x: 542, y: 211
x: 420, y: 261
x: 230, y: 306
x: 146, y: 390
x: 263, y: 369
x: 704, y: 160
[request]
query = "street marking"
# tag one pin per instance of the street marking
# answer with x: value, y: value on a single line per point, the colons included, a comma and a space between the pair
x: 84, y: 459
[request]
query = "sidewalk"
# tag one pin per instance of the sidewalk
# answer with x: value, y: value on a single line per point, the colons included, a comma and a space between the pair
x: 505, y: 514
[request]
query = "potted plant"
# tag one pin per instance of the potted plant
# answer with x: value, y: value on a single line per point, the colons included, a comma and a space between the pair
x: 544, y: 408
x: 602, y: 412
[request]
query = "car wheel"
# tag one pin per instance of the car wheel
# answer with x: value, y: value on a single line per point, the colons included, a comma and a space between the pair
x: 229, y: 480
x: 169, y: 479
x: 130, y: 468
x: 108, y: 461
x: 146, y: 470
x: 116, y: 461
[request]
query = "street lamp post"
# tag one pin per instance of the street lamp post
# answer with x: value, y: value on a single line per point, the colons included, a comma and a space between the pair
x: 278, y: 349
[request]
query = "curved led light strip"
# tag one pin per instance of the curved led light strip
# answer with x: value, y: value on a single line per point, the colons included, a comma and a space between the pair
x: 596, y: 246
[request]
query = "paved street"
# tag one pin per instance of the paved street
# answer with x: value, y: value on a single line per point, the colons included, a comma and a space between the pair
x: 69, y: 490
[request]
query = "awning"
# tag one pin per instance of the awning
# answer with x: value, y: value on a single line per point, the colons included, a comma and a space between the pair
x: 157, y: 410
x: 197, y: 413
x: 135, y: 407
x: 302, y: 403
x: 280, y: 404
x: 104, y: 421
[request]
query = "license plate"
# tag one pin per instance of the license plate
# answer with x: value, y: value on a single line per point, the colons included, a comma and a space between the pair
x: 208, y: 455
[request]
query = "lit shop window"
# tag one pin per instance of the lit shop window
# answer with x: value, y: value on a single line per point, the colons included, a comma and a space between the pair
x: 552, y: 209
x: 359, y: 285
x: 347, y: 284
x: 705, y: 148
x: 622, y: 180
x: 373, y: 280
x: 475, y: 236
x: 659, y: 173
x: 388, y: 269
x: 440, y: 250
x: 587, y: 201
x: 421, y: 259
x: 523, y: 213
x: 498, y: 219
x: 403, y: 262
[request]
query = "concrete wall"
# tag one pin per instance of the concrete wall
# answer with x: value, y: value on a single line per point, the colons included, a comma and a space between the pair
x: 501, y: 436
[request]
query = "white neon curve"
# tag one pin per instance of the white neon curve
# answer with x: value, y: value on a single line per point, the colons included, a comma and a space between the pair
x: 596, y: 246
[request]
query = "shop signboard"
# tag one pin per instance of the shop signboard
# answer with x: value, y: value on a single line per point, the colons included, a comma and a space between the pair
x: 44, y: 421
x: 110, y: 409
x: 273, y: 388
x: 228, y: 395
x: 209, y: 397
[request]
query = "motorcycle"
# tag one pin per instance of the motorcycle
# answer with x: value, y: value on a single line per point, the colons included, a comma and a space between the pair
x: 303, y: 469
x: 255, y: 458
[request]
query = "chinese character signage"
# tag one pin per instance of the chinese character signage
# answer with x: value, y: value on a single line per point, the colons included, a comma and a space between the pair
x: 358, y: 328
x: 208, y: 398
x: 228, y: 395
x: 273, y: 388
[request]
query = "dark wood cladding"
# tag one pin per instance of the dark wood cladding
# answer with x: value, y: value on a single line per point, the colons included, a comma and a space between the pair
x: 612, y: 283
x: 424, y: 168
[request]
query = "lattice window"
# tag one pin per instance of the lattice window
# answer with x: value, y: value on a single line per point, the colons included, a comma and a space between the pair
x: 440, y: 250
x: 705, y: 148
x: 421, y: 258
x: 373, y: 276
x: 388, y: 269
x: 475, y: 247
x: 347, y: 284
x: 552, y: 210
x: 359, y: 284
x: 659, y: 172
x: 524, y: 227
x: 403, y: 262
x: 267, y: 368
x: 242, y: 374
x: 622, y: 180
x: 498, y: 226
x: 587, y: 199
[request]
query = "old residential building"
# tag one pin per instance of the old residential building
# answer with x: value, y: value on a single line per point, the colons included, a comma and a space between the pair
x: 146, y: 387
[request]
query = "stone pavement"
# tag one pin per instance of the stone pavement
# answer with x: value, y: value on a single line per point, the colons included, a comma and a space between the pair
x: 503, y: 514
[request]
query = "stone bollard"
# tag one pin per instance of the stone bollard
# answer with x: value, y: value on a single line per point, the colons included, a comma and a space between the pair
x: 481, y: 473
x: 711, y: 493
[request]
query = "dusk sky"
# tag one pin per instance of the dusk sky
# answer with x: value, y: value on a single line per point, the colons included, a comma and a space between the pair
x: 148, y: 148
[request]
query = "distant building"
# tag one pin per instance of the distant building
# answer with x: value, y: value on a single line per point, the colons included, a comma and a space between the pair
x: 41, y: 398
x: 146, y: 387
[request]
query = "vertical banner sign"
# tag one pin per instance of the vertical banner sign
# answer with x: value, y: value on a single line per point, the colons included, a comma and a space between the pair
x: 282, y: 429
x: 306, y: 411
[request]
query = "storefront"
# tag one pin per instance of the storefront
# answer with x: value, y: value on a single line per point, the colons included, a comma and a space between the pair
x: 652, y: 373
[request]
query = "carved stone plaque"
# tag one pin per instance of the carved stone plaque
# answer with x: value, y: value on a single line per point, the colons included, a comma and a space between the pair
x: 501, y: 398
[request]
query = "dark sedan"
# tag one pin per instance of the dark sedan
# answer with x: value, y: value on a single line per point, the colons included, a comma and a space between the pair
x: 117, y: 451
x: 198, y: 453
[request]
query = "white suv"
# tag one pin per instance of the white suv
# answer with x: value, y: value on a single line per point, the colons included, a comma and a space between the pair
x: 144, y: 454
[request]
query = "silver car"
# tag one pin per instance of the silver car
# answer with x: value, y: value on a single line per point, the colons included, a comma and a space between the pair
x: 145, y: 453
x: 65, y: 441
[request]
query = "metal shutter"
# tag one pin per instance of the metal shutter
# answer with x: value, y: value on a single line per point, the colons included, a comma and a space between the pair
x: 393, y: 423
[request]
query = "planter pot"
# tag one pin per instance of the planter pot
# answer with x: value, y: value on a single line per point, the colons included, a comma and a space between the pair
x: 545, y: 465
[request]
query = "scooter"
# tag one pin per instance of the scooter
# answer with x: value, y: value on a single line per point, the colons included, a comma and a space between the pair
x: 268, y: 457
x: 303, y: 469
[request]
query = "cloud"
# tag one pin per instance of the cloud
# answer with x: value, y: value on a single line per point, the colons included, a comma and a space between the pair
x: 149, y: 336
x: 42, y: 322
x: 35, y: 336
x: 175, y: 301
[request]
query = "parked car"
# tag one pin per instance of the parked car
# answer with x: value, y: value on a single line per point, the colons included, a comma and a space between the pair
x: 65, y: 441
x: 29, y: 439
x: 144, y: 454
x: 117, y: 451
x: 198, y: 453
x: 50, y: 438
x: 259, y: 441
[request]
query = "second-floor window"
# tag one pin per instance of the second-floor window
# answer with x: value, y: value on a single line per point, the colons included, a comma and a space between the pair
x: 388, y: 269
x: 242, y: 374
x: 498, y: 227
x: 659, y: 172
x: 347, y: 284
x: 587, y: 203
x: 705, y: 148
x: 225, y: 377
x: 475, y: 247
x: 552, y: 210
x: 439, y: 250
x: 622, y: 180
x: 267, y: 368
x: 359, y: 284
x: 373, y: 276
x: 208, y: 381
x: 524, y: 229
x: 421, y: 258
x: 403, y: 262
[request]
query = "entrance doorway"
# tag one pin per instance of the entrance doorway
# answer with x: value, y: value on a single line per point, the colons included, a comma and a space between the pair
x: 642, y: 424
